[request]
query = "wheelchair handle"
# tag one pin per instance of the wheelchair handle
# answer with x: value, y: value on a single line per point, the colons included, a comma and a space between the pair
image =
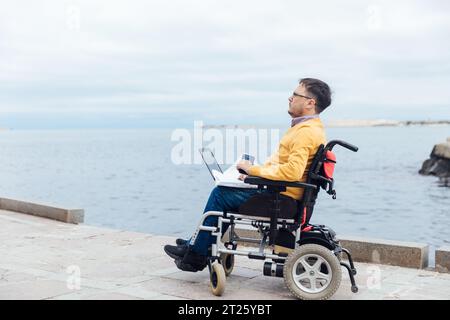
x: 344, y: 144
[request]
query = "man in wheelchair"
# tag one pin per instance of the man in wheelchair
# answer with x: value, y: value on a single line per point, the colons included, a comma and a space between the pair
x: 284, y: 181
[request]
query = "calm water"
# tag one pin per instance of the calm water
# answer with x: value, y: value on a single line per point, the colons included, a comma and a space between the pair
x: 125, y: 179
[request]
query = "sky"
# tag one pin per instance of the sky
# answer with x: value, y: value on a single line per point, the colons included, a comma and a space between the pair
x: 167, y: 63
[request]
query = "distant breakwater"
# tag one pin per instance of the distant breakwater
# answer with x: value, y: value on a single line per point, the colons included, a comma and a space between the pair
x: 348, y: 123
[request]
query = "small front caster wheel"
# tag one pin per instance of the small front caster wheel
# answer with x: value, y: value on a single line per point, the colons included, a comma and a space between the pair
x: 227, y: 262
x: 217, y: 279
x: 354, y: 289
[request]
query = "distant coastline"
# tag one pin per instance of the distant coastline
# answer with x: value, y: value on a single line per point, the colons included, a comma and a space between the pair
x: 329, y: 124
x: 352, y: 123
x: 385, y: 123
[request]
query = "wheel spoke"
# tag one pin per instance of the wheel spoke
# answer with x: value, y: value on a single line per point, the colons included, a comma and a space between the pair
x: 312, y: 281
x: 301, y: 276
x: 305, y: 264
x: 316, y: 266
x: 324, y: 276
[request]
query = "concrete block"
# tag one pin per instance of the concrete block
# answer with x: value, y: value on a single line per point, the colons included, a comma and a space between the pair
x: 74, y: 216
x: 395, y: 253
x: 442, y: 258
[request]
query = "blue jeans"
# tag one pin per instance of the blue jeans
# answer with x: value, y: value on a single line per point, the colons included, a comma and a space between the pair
x: 220, y: 199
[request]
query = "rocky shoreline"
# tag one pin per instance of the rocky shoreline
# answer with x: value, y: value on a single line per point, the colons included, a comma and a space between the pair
x: 439, y: 163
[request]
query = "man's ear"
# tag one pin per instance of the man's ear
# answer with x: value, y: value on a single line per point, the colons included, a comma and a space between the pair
x: 311, y: 104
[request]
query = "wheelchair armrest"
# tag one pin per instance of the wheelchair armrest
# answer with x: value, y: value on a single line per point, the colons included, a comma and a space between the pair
x: 266, y: 182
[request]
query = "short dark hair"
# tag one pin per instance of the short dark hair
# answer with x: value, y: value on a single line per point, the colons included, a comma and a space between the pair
x: 319, y: 90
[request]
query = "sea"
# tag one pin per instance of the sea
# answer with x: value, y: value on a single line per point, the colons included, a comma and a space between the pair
x: 127, y: 179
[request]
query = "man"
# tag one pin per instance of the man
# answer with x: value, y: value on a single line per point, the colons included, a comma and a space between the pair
x: 290, y: 163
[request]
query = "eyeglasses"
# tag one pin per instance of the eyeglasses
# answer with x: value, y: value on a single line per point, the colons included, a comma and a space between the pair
x: 300, y: 95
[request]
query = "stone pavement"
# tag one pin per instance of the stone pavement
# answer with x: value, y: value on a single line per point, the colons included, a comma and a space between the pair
x: 46, y: 259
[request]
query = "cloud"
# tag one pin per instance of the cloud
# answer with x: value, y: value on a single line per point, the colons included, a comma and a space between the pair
x: 192, y: 57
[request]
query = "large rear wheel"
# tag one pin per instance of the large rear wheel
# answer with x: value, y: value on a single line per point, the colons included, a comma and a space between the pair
x: 312, y: 272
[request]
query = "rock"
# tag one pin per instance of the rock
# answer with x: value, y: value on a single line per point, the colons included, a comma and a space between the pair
x: 444, y: 181
x: 439, y: 162
x: 442, y: 150
x: 436, y: 167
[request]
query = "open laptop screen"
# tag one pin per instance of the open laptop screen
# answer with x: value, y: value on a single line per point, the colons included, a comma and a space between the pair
x: 210, y: 161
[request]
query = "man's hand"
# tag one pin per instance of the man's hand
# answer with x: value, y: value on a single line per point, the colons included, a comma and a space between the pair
x: 242, y: 177
x: 244, y: 165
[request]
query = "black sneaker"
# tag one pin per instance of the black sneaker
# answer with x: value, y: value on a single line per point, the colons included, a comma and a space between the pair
x: 181, y: 242
x: 175, y: 252
x: 186, y: 267
x: 194, y: 259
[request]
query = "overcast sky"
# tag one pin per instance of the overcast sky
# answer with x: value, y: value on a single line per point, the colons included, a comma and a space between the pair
x: 221, y: 61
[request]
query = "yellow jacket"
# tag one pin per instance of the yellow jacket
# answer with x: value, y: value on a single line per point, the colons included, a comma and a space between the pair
x: 294, y: 156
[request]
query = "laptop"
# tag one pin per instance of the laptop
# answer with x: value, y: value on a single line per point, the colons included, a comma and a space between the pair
x: 210, y: 161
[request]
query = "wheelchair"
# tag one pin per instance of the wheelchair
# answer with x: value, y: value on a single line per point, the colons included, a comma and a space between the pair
x: 307, y: 256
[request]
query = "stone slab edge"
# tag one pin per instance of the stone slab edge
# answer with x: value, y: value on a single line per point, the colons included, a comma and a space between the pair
x: 442, y: 259
x: 74, y: 216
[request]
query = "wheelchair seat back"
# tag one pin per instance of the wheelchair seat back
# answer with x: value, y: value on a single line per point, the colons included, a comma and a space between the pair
x: 320, y: 174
